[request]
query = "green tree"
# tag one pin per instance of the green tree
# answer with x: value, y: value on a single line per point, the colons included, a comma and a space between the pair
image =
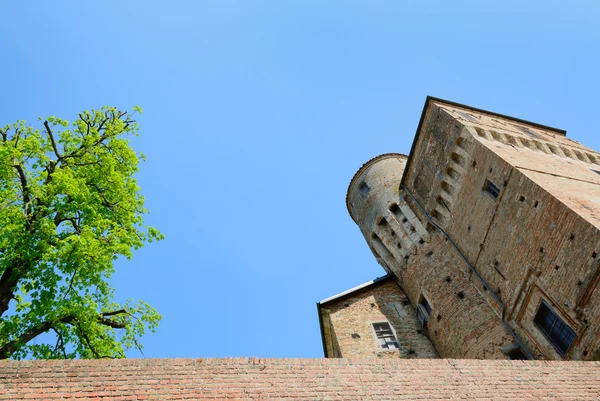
x: 69, y: 206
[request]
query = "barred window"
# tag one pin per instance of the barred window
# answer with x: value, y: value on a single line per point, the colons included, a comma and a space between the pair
x: 423, y: 310
x: 385, y: 336
x: 491, y: 189
x: 556, y: 331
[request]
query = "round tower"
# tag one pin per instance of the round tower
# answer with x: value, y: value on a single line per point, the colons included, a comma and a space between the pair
x: 373, y: 201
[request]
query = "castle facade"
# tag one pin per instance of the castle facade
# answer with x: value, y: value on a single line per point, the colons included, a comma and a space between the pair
x: 488, y: 232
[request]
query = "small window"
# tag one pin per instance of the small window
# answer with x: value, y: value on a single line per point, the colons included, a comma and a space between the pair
x: 556, y: 331
x: 491, y: 189
x: 517, y: 355
x: 423, y: 310
x: 385, y: 336
x: 527, y: 131
x: 514, y: 351
x: 364, y: 189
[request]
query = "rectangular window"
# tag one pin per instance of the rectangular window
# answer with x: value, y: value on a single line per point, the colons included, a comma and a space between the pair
x: 517, y: 355
x: 491, y: 189
x: 556, y: 331
x: 514, y: 351
x: 423, y: 311
x: 385, y: 336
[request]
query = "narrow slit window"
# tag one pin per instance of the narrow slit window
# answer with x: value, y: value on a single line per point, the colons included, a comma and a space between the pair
x: 386, y: 339
x: 559, y: 334
x: 491, y: 189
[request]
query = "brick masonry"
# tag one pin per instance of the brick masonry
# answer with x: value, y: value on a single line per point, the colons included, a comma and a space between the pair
x: 298, y: 379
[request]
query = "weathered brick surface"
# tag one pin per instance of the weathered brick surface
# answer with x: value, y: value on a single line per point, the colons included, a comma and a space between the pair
x: 348, y: 331
x: 301, y: 379
x: 466, y: 327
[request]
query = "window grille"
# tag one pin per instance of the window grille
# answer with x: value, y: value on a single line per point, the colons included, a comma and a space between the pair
x: 423, y: 311
x: 385, y: 336
x: 556, y: 331
x: 491, y: 189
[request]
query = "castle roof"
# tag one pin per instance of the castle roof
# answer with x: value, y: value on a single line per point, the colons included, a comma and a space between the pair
x: 360, y: 287
x: 301, y: 379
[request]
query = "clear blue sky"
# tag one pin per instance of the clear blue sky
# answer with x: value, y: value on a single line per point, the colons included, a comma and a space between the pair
x: 256, y: 116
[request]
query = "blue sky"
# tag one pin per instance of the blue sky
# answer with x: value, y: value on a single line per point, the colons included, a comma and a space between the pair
x: 256, y: 116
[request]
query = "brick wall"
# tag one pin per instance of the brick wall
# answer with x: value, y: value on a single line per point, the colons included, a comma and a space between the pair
x: 298, y: 379
x: 463, y: 321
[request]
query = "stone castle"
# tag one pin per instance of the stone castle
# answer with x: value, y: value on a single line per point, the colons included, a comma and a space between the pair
x: 489, y: 234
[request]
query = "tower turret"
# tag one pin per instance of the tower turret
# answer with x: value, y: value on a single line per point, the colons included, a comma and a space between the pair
x: 375, y: 204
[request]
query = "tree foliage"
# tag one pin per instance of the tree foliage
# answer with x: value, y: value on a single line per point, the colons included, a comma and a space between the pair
x: 69, y: 207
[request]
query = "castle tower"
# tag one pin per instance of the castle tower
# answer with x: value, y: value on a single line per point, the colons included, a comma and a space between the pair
x: 372, y: 201
x: 491, y: 227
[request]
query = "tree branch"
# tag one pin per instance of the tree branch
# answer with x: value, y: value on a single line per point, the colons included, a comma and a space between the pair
x: 24, y: 186
x: 108, y: 322
x: 60, y: 341
x: 16, y: 137
x: 51, y: 136
x: 11, y: 276
x: 87, y: 341
x: 111, y: 323
x: 113, y: 313
x: 10, y: 347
